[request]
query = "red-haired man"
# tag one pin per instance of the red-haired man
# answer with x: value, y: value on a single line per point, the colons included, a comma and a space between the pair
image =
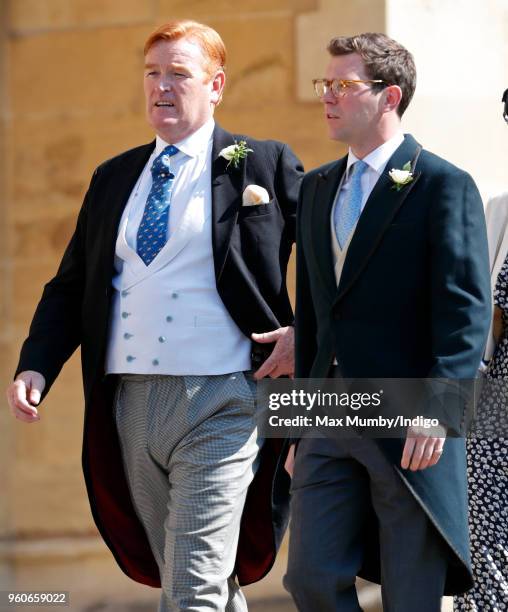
x: 179, y: 256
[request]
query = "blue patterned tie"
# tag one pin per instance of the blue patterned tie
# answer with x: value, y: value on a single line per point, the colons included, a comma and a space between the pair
x: 152, y: 231
x: 348, y: 212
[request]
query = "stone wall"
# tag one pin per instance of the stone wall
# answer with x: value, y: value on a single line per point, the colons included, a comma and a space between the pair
x: 461, y: 51
x: 71, y: 96
x: 71, y: 87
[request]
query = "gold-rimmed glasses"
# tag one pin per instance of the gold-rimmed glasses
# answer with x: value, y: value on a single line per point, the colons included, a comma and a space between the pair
x: 339, y: 87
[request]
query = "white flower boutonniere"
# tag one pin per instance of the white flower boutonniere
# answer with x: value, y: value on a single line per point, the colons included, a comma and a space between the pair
x: 402, y: 177
x: 235, y: 152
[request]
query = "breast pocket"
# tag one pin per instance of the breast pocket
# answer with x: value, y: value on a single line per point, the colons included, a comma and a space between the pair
x: 401, y: 250
x: 402, y: 226
x: 259, y: 233
x: 401, y: 231
x: 257, y: 210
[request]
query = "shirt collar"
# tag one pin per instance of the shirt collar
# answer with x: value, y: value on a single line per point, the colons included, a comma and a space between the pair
x: 377, y: 159
x: 194, y: 144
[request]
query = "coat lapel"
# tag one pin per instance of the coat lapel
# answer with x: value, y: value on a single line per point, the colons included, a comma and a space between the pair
x: 382, y: 205
x: 227, y: 186
x: 327, y: 184
x: 117, y: 197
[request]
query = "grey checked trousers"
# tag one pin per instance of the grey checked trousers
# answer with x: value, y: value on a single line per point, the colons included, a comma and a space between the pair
x: 189, y: 445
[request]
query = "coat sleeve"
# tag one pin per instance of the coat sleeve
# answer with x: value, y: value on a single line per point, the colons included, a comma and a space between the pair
x: 55, y: 331
x: 305, y: 316
x: 496, y: 214
x: 460, y: 300
x: 288, y: 179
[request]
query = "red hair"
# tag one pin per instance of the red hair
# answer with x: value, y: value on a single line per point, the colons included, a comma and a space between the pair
x: 207, y: 38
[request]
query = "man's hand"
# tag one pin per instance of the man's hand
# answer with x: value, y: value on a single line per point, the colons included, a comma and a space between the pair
x: 290, y: 460
x: 423, y: 447
x: 24, y: 394
x: 282, y: 360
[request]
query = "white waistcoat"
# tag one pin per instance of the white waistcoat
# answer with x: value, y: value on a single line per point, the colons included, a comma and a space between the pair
x: 168, y: 318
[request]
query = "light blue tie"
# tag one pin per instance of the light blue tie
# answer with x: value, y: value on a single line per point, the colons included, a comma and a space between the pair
x: 348, y: 211
x: 152, y: 231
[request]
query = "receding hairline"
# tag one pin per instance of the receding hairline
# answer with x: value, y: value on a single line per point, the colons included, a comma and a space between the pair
x: 207, y: 39
x: 190, y: 38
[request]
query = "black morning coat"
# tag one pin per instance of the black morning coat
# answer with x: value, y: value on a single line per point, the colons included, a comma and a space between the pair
x: 413, y: 301
x: 251, y: 248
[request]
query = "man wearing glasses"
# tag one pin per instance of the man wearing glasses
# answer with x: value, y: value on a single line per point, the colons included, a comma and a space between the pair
x: 392, y: 282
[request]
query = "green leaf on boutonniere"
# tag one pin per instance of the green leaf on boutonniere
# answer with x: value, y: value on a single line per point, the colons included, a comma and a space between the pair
x: 401, y: 178
x: 235, y: 152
